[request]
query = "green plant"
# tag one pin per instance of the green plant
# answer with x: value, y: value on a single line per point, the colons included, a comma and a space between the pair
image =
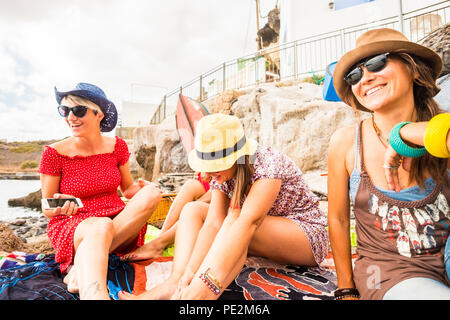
x: 27, y: 164
x: 26, y: 147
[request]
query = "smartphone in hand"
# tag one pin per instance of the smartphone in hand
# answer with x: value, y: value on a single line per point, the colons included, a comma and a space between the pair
x: 52, y: 203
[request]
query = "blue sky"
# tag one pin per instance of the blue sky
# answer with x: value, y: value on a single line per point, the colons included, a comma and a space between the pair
x: 111, y: 43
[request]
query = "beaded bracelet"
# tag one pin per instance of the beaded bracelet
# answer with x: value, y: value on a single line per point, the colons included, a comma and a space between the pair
x: 346, y: 292
x: 435, y: 138
x: 401, y: 147
x: 211, y: 282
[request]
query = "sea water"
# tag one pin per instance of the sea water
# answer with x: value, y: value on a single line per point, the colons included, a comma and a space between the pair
x: 15, y: 189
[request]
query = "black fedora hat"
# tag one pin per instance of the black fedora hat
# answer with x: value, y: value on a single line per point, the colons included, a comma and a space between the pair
x: 97, y: 96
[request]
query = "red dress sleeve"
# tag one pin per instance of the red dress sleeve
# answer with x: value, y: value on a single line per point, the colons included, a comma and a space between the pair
x: 121, y: 151
x: 50, y: 162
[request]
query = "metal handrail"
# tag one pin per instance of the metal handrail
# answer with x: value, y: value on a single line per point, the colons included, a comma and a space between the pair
x: 232, y: 74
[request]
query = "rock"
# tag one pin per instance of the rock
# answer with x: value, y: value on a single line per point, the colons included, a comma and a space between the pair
x: 291, y: 116
x: 145, y: 157
x: 10, y: 241
x: 443, y: 97
x: 18, y: 222
x: 40, y: 244
x: 222, y: 103
x: 172, y: 182
x: 170, y: 155
x: 26, y: 228
x: 295, y: 120
x: 32, y: 200
x: 143, y: 146
x: 439, y: 41
x: 34, y: 240
x: 158, y: 150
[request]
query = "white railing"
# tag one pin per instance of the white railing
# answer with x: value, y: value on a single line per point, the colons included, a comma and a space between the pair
x: 297, y: 59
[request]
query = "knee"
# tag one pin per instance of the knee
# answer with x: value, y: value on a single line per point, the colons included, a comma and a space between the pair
x: 192, y: 189
x: 105, y: 227
x: 99, y: 228
x: 191, y: 209
x: 151, y: 197
x: 189, y: 184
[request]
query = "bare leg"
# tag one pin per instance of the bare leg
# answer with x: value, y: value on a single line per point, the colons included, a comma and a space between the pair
x: 92, y: 240
x: 190, y: 191
x: 130, y: 221
x: 96, y: 237
x: 280, y: 239
x: 71, y: 280
x: 276, y: 238
x: 188, y: 292
x: 191, y: 221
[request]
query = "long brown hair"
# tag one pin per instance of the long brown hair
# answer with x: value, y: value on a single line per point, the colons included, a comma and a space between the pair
x: 244, y: 172
x: 424, y: 88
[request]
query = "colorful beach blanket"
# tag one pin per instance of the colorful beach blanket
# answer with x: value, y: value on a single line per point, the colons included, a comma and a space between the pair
x: 37, y: 276
x: 260, y: 279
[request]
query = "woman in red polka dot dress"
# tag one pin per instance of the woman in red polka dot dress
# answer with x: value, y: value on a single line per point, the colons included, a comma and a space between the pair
x: 91, y: 167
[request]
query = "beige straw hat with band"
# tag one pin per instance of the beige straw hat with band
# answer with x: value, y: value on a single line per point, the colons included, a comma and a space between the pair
x: 379, y: 41
x: 219, y: 142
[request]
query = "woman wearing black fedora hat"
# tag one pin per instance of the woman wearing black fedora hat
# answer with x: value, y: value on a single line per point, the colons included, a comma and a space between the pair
x: 400, y: 191
x: 91, y: 167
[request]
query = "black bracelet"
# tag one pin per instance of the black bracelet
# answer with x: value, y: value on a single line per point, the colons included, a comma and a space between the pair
x: 346, y: 292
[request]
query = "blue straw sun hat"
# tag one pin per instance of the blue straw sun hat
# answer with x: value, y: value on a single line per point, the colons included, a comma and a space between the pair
x: 97, y: 96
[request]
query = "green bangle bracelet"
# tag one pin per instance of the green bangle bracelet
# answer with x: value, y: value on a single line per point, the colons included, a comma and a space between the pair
x: 401, y: 147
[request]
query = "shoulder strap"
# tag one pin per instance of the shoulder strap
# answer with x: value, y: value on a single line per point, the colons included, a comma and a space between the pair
x: 360, y: 147
x: 356, y: 147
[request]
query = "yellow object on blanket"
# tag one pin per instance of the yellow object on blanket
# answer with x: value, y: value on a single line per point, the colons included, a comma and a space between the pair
x: 152, y: 233
x: 159, y: 215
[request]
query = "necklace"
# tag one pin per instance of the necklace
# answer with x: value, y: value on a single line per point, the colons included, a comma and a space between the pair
x: 384, y: 141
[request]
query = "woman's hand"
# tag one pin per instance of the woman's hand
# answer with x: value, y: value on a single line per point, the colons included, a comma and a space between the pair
x: 134, y: 188
x: 68, y: 209
x: 142, y: 183
x: 392, y: 161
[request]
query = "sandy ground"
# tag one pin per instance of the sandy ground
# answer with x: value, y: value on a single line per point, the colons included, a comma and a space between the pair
x: 10, y: 242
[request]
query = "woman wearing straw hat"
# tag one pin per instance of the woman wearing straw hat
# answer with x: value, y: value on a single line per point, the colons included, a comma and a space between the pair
x: 400, y: 191
x: 260, y: 205
x: 91, y: 166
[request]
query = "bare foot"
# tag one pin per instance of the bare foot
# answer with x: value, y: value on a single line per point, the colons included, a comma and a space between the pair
x: 147, y: 251
x: 163, y: 291
x: 71, y: 280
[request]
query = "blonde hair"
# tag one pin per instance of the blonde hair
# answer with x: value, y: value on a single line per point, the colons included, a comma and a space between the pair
x: 244, y: 172
x: 82, y: 101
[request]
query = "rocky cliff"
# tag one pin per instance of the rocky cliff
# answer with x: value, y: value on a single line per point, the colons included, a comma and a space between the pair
x: 292, y: 117
x: 439, y: 41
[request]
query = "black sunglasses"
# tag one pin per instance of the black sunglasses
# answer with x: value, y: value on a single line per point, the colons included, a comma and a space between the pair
x: 373, y: 64
x: 78, y: 111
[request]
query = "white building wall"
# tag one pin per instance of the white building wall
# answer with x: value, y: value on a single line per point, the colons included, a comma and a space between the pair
x: 305, y: 18
x: 323, y: 35
x: 136, y: 114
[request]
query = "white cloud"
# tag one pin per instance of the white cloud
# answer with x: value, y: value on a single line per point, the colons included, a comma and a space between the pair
x: 113, y: 44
